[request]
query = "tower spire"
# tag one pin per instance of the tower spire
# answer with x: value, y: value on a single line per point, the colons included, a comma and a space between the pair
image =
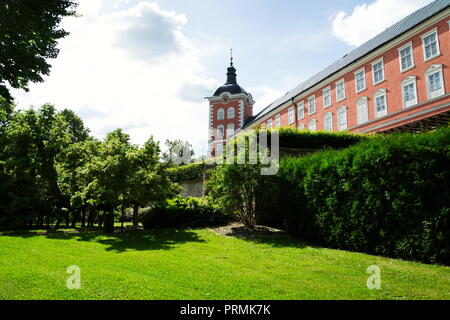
x: 231, y: 71
x: 231, y: 57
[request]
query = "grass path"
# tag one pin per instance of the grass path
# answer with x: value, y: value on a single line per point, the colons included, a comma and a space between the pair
x: 200, y: 264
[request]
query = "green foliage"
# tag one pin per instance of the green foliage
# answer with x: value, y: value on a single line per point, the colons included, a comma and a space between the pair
x: 304, y: 139
x: 29, y: 31
x: 184, y: 212
x: 187, y: 172
x: 388, y: 196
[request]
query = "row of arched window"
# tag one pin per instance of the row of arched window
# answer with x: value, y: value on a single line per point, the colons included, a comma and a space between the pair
x: 221, y: 130
x: 221, y: 113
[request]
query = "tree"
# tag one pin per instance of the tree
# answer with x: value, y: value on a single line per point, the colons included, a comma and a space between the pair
x: 148, y: 181
x: 29, y: 31
x: 178, y: 152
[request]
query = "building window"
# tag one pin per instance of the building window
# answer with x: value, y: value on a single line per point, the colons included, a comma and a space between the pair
x: 220, y: 131
x: 291, y: 115
x: 278, y: 121
x: 406, y: 57
x: 430, y: 45
x: 340, y: 90
x: 230, y: 112
x: 326, y: 97
x: 409, y: 91
x: 328, y: 121
x: 312, y: 125
x: 220, y: 114
x: 380, y: 103
x: 269, y: 123
x: 219, y: 149
x: 312, y: 105
x: 435, y: 83
x: 301, y: 110
x: 362, y: 109
x: 378, y: 71
x: 342, y: 118
x: 230, y: 130
x: 301, y: 126
x: 360, y: 80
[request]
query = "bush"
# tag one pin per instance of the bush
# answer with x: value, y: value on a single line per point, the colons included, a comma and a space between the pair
x: 304, y: 139
x: 184, y: 212
x: 187, y: 172
x: 389, y: 196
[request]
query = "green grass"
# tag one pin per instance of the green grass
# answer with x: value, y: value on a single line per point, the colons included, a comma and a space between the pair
x: 200, y: 264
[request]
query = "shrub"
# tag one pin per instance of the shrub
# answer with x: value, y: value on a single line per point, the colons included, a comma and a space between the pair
x: 187, y: 172
x: 389, y: 196
x: 184, y: 212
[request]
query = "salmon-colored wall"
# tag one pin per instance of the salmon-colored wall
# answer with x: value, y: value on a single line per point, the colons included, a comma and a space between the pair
x: 392, y: 83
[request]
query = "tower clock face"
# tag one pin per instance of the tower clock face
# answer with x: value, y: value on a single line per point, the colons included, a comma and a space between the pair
x: 225, y: 99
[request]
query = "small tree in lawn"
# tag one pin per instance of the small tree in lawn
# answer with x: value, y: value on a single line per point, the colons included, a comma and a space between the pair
x: 235, y: 187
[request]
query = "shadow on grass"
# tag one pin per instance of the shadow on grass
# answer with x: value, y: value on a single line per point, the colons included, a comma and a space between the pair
x: 158, y: 239
x: 262, y: 235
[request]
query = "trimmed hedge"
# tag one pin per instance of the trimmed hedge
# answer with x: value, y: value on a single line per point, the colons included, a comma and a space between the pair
x: 304, y: 139
x: 187, y: 172
x: 389, y: 195
x: 184, y: 213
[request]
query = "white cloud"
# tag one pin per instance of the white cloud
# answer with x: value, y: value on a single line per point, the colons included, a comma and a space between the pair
x: 264, y: 96
x: 367, y: 20
x: 130, y: 68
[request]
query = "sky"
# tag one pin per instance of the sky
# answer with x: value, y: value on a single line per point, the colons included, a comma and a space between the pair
x: 146, y: 66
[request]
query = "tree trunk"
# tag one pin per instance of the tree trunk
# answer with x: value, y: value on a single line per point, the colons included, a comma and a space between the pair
x: 136, y: 215
x: 108, y: 222
x: 83, y: 217
x: 67, y: 218
x: 123, y: 218
x: 75, y: 218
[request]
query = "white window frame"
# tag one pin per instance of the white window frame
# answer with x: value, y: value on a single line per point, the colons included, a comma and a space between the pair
x: 406, y: 82
x: 429, y: 33
x: 269, y: 123
x: 433, y: 69
x: 301, y: 108
x: 291, y: 115
x: 381, y: 60
x: 230, y: 131
x: 409, y: 44
x: 312, y: 122
x: 220, y: 133
x: 363, y: 71
x: 360, y: 102
x: 313, y: 97
x: 230, y: 115
x: 328, y: 115
x: 220, y: 112
x: 327, y: 89
x: 380, y: 93
x: 342, y: 81
x: 339, y: 126
x: 278, y: 121
x: 301, y: 126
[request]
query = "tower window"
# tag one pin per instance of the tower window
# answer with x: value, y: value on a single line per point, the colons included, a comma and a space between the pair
x: 230, y: 130
x: 220, y: 131
x: 230, y: 113
x: 220, y: 114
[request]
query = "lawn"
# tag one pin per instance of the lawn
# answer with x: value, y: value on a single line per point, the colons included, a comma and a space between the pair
x: 201, y: 264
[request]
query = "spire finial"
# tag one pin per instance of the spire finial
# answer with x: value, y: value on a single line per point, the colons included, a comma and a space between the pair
x: 231, y: 57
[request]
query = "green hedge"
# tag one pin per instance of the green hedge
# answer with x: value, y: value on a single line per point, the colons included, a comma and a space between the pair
x: 187, y: 172
x: 304, y: 139
x: 184, y: 213
x: 389, y: 196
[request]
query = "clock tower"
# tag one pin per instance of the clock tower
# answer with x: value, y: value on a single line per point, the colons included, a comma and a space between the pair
x: 229, y: 108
